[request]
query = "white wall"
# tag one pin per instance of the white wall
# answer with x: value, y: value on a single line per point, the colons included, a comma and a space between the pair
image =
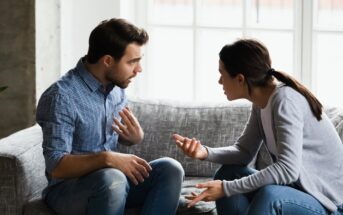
x: 48, y: 43
x: 78, y: 19
x: 62, y: 31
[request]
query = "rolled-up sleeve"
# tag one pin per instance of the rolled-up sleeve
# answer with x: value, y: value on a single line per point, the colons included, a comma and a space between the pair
x: 56, y: 117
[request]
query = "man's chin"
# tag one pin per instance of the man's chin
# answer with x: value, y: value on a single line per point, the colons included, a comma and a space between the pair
x: 123, y: 85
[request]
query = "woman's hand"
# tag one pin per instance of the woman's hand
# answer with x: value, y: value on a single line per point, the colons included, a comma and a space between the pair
x: 131, y: 130
x: 191, y: 147
x: 213, y: 191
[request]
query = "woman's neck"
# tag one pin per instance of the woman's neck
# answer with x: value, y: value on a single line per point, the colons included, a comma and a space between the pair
x: 260, y: 95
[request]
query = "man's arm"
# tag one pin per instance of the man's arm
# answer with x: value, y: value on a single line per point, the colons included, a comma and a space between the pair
x: 73, y: 166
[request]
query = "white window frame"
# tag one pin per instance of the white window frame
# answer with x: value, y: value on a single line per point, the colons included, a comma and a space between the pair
x: 302, y: 56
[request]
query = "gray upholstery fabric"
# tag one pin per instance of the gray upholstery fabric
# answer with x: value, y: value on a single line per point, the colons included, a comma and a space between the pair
x: 22, y: 164
x: 214, y: 125
x: 21, y: 169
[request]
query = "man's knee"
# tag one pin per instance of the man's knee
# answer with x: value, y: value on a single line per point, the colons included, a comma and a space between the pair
x: 110, y: 180
x: 170, y: 167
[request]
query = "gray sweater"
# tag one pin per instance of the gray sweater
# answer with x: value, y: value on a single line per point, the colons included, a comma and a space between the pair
x: 310, y: 152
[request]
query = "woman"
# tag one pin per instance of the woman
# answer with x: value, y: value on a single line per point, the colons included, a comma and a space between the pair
x: 306, y: 175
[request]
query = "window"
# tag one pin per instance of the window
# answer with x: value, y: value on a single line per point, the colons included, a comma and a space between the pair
x: 303, y: 37
x: 327, y: 43
x: 186, y: 36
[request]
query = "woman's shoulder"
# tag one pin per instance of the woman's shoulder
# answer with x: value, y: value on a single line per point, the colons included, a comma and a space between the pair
x: 286, y: 93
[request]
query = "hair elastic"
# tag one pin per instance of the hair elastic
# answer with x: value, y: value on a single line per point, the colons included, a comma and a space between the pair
x: 271, y: 72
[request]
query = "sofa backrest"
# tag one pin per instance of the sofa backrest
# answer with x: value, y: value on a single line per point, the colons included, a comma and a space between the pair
x: 214, y: 126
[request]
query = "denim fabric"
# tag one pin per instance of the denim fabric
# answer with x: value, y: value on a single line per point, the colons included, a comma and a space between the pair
x: 76, y: 114
x: 108, y: 192
x: 268, y: 200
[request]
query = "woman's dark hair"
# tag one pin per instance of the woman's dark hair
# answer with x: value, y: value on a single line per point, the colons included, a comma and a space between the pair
x: 251, y: 59
x: 111, y: 37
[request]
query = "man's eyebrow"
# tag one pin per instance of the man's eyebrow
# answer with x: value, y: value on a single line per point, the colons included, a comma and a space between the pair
x: 135, y: 59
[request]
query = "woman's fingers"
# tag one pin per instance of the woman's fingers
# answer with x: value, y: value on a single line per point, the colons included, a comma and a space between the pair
x: 178, y: 137
x: 197, y: 199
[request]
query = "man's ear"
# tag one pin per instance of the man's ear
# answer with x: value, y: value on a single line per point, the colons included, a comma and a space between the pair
x: 107, y: 60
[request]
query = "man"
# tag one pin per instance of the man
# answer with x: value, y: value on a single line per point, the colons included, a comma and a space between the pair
x: 84, y: 115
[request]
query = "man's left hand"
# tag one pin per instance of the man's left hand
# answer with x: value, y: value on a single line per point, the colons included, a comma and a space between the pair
x: 130, y: 130
x: 213, y: 191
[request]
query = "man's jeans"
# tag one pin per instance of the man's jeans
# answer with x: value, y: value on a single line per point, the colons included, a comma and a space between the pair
x: 268, y: 200
x: 109, y: 191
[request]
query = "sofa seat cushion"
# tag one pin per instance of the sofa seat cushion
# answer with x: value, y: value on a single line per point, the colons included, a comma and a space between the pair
x: 201, y: 207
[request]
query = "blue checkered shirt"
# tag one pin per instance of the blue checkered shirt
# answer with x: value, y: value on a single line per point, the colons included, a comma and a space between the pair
x: 76, y: 114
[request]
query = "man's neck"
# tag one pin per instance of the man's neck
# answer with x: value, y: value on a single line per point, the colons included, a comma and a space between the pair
x: 97, y: 72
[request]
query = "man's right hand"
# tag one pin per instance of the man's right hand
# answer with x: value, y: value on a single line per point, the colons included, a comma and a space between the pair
x: 191, y: 147
x: 135, y: 168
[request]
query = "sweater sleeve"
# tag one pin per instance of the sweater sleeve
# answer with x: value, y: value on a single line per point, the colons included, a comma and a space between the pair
x: 288, y: 126
x: 245, y: 148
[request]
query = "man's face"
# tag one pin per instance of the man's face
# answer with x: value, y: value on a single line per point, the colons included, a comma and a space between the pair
x: 121, y: 72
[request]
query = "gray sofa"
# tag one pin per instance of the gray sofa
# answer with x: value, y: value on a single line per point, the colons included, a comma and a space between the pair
x: 22, y: 164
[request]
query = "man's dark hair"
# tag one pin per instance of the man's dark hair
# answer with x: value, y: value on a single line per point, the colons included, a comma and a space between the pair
x: 111, y: 37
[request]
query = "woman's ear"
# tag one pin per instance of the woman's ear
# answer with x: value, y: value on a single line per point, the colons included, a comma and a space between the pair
x: 240, y: 78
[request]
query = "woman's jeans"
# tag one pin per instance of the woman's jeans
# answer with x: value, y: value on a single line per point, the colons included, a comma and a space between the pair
x: 109, y: 191
x: 268, y: 200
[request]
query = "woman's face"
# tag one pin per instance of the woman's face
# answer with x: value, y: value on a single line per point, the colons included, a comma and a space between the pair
x: 233, y: 87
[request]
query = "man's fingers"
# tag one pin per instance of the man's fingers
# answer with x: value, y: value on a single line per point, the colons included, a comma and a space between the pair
x: 143, y: 170
x: 131, y: 117
x: 144, y: 163
x: 116, y: 129
x: 122, y: 127
x: 120, y: 132
x: 125, y: 119
x: 132, y: 178
x: 138, y: 175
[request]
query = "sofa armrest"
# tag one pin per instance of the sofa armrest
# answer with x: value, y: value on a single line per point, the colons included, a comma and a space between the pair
x: 21, y: 169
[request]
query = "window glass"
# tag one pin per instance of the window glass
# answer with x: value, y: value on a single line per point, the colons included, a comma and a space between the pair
x: 220, y: 13
x: 209, y: 44
x: 270, y: 13
x: 170, y: 12
x: 328, y: 14
x: 170, y: 64
x: 327, y: 66
x: 280, y: 47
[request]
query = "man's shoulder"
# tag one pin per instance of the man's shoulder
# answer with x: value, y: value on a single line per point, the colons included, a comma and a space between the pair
x: 67, y: 84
